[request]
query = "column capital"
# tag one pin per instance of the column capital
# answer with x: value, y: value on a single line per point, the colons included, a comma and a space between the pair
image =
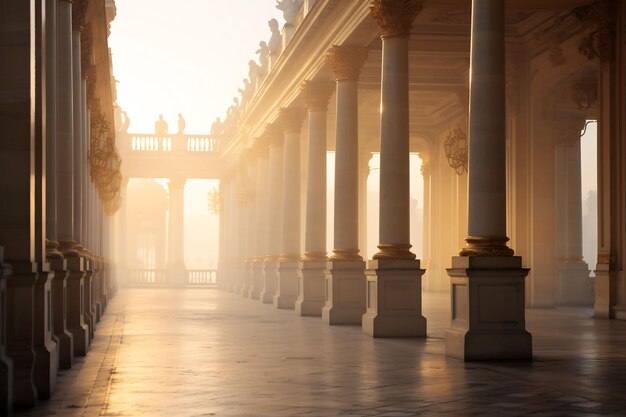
x: 346, y: 62
x: 79, y: 13
x: 317, y: 94
x: 395, y: 17
x: 176, y: 183
x: 273, y: 134
x: 291, y: 119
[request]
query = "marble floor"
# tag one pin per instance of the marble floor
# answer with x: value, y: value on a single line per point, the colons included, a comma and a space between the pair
x: 205, y: 352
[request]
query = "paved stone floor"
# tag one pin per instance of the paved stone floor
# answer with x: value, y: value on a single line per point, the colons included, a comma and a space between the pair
x: 184, y: 353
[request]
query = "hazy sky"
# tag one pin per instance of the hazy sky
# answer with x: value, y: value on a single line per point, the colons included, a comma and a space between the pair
x: 185, y: 56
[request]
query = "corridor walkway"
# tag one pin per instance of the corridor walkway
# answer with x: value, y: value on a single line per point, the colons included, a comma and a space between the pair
x: 190, y: 352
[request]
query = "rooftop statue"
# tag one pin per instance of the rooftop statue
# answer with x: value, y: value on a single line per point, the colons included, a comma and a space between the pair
x: 253, y: 73
x: 246, y: 92
x: 217, y: 128
x: 126, y: 122
x: 290, y: 9
x: 160, y: 126
x: 275, y: 43
x: 181, y: 124
x: 264, y: 56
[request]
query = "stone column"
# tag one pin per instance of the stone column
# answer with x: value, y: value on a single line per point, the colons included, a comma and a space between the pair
x: 345, y: 280
x: 66, y: 177
x: 287, y: 292
x: 311, y: 290
x: 488, y: 316
x: 122, y: 235
x: 275, y: 208
x: 574, y: 281
x: 21, y: 145
x: 394, y: 277
x: 6, y: 365
x: 261, y: 217
x: 77, y: 130
x: 250, y: 166
x: 176, y: 228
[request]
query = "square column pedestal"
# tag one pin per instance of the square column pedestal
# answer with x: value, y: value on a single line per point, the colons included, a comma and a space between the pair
x: 75, y: 306
x: 345, y: 292
x: 311, y: 288
x: 65, y: 343
x: 488, y: 313
x: 394, y: 299
x: 256, y: 268
x: 270, y: 279
x: 287, y: 288
x: 575, y: 284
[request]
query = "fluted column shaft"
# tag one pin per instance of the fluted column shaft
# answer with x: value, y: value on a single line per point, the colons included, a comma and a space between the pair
x: 51, y: 121
x: 487, y: 131
x: 317, y: 95
x: 77, y: 133
x: 65, y: 126
x: 291, y: 120
x: 275, y: 204
x: 262, y: 215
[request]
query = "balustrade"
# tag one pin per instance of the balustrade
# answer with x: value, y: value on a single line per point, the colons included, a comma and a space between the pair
x: 172, y: 143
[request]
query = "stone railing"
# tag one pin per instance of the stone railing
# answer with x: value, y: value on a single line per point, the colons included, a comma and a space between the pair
x: 141, y: 142
x: 160, y: 277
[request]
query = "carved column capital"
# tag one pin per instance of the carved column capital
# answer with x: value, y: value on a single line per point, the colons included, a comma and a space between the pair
x: 346, y: 62
x: 291, y: 119
x: 316, y: 94
x: 79, y: 13
x: 395, y: 17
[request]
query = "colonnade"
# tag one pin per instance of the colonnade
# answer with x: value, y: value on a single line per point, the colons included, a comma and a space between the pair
x: 55, y: 237
x: 384, y: 294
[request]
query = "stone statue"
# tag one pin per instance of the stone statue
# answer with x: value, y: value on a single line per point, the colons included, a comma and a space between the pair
x: 264, y: 56
x: 217, y: 128
x: 290, y: 9
x: 275, y: 43
x: 246, y: 92
x: 126, y: 122
x: 181, y: 124
x: 160, y: 126
x: 253, y: 73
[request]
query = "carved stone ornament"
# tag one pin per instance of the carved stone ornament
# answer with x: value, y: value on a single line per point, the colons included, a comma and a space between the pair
x: 291, y: 119
x: 600, y: 42
x: 79, y: 13
x: 316, y: 94
x: 456, y: 149
x: 395, y: 17
x: 585, y: 93
x: 346, y: 62
x: 567, y: 129
x: 105, y: 164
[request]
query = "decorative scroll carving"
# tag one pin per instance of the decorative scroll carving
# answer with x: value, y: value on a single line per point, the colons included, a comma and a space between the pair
x: 316, y: 94
x: 346, y: 62
x: 105, y: 163
x: 456, y: 147
x: 585, y: 93
x: 291, y: 119
x: 600, y: 42
x: 395, y: 17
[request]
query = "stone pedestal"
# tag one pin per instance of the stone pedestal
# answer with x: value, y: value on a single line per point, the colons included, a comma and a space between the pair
x: 488, y: 315
x: 75, y: 311
x: 6, y: 365
x: 90, y: 313
x: 345, y: 292
x: 257, y: 280
x: 65, y: 344
x: 287, y: 286
x: 46, y: 353
x: 270, y: 281
x: 575, y: 284
x: 311, y: 288
x: 394, y: 299
x: 247, y: 278
x: 19, y: 333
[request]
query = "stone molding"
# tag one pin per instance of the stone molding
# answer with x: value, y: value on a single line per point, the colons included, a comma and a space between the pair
x: 346, y: 62
x: 395, y: 17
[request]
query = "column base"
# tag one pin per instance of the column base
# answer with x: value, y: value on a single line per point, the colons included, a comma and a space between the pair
x: 604, y: 288
x: 65, y: 344
x: 46, y: 353
x: 270, y: 279
x: 19, y: 336
x: 287, y: 286
x: 345, y: 292
x: 311, y: 288
x: 75, y: 319
x: 256, y: 271
x: 394, y: 299
x: 575, y: 285
x: 90, y: 317
x: 488, y: 309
